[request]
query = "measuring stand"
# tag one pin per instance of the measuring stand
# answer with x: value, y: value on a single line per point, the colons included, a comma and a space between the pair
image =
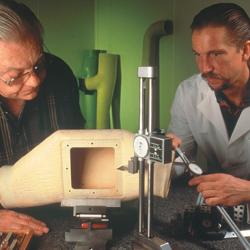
x: 149, y: 147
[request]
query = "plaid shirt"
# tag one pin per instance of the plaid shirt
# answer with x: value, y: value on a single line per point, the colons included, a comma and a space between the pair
x: 230, y: 111
x: 55, y: 107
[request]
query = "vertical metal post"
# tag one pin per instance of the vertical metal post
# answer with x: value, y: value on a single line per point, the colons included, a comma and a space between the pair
x: 150, y: 105
x: 150, y: 163
x: 142, y: 107
x: 150, y: 197
x: 141, y: 195
x: 141, y: 160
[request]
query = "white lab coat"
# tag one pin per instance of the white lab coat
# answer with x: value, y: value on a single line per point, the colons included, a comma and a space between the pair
x: 196, y: 118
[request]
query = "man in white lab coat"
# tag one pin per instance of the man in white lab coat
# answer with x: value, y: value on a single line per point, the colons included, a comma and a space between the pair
x: 211, y: 110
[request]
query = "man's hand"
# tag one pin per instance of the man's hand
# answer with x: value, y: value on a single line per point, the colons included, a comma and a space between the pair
x: 176, y: 141
x: 11, y: 221
x: 222, y: 189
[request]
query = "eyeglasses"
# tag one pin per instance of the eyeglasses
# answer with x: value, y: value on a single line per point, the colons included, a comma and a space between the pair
x: 38, y: 69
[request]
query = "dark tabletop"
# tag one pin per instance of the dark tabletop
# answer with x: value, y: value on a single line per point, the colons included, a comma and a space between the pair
x: 166, y: 224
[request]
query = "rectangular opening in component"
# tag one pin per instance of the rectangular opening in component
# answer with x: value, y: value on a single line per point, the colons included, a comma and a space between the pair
x: 93, y: 168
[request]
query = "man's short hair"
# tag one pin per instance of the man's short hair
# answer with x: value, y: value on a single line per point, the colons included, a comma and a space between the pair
x: 228, y: 15
x: 18, y: 22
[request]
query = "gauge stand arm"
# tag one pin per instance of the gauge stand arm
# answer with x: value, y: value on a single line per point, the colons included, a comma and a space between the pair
x: 148, y: 148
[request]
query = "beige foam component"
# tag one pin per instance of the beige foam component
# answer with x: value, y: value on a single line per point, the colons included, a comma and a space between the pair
x: 77, y: 164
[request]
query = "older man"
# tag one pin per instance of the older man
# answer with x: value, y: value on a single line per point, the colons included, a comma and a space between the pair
x: 38, y: 95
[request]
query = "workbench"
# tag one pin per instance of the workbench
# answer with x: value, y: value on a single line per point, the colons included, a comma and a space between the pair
x: 125, y: 223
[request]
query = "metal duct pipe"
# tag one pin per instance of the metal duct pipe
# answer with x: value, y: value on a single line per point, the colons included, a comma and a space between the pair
x: 150, y: 57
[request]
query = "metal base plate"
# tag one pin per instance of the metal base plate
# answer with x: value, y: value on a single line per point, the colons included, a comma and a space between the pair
x: 89, y: 239
x: 155, y: 243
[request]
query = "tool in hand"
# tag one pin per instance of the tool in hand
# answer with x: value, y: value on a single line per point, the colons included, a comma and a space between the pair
x: 194, y: 169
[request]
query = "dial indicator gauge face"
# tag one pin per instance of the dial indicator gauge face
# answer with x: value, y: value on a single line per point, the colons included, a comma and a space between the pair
x: 195, y: 169
x: 141, y: 146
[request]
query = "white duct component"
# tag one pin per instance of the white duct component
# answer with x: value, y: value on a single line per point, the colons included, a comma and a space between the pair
x: 77, y: 164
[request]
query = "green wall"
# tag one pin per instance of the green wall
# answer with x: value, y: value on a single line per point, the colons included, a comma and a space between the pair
x: 69, y: 27
x: 118, y: 26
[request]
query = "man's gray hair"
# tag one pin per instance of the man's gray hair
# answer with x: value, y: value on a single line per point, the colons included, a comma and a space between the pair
x: 18, y: 22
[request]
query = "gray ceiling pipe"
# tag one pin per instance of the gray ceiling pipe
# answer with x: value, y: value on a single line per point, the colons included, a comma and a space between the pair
x: 151, y: 40
x: 150, y: 57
